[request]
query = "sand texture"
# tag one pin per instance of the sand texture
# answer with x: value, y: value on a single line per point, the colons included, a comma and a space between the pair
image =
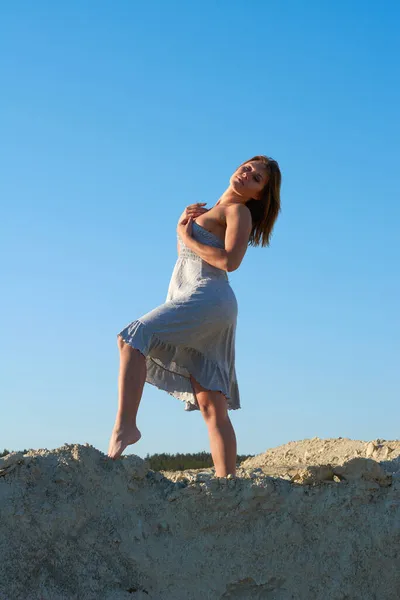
x: 317, y: 519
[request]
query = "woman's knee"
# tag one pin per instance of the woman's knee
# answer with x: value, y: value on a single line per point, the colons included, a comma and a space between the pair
x: 126, y: 348
x: 120, y: 342
x: 213, y: 404
x: 215, y: 415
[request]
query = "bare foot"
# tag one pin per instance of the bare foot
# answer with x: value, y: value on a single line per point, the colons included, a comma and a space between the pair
x: 121, y: 437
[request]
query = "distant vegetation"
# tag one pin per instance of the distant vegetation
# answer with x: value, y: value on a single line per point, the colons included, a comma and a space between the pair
x: 170, y: 462
x: 5, y: 451
x: 180, y: 462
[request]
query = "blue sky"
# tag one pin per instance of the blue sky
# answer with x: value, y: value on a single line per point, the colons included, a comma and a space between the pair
x: 114, y: 117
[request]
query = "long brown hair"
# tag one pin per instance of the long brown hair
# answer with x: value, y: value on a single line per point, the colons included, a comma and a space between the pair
x: 264, y: 211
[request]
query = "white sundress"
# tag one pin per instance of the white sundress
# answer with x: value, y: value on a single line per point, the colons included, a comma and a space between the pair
x: 193, y: 332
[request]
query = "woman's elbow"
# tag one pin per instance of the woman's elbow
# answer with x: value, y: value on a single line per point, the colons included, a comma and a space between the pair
x: 231, y: 266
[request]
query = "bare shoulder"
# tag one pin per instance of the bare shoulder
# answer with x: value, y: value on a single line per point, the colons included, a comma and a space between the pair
x: 240, y: 214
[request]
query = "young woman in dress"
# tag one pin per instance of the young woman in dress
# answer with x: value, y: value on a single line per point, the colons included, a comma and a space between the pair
x: 186, y: 346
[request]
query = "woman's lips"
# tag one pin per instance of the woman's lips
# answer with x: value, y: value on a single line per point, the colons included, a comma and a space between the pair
x: 240, y: 180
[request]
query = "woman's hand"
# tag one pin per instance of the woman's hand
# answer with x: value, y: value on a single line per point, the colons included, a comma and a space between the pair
x: 192, y: 211
x: 184, y: 228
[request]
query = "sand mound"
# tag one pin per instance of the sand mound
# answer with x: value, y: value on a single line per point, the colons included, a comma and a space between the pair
x: 314, y: 519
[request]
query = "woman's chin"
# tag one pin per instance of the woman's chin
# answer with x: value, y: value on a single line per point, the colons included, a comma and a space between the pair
x: 237, y: 187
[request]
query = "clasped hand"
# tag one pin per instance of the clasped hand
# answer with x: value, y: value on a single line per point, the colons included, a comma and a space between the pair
x: 192, y: 211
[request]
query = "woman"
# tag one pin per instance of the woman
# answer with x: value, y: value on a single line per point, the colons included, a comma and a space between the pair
x: 186, y: 346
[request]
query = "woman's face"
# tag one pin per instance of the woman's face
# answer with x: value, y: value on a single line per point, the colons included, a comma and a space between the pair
x: 249, y: 179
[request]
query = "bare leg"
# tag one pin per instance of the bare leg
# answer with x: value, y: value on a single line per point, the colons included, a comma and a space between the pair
x: 223, y: 446
x: 131, y: 380
x: 213, y: 406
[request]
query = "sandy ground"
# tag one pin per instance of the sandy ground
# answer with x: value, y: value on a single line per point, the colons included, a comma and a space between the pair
x: 313, y: 519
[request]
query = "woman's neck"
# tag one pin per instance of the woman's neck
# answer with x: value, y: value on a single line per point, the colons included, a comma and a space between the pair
x: 230, y: 197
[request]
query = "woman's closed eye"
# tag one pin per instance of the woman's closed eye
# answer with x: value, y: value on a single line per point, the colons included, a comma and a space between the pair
x: 257, y: 177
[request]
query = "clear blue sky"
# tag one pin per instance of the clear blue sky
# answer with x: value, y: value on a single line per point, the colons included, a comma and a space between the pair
x: 114, y: 117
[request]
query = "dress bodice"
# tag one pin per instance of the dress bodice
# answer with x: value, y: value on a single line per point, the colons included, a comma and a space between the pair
x: 204, y: 237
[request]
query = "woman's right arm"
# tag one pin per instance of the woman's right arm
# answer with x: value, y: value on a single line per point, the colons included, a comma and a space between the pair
x: 193, y: 210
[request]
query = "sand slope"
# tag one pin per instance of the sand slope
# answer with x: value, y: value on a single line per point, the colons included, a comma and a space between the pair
x: 314, y: 519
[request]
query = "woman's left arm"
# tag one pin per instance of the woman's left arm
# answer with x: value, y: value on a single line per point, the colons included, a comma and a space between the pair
x: 238, y: 229
x: 217, y: 257
x: 239, y: 224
